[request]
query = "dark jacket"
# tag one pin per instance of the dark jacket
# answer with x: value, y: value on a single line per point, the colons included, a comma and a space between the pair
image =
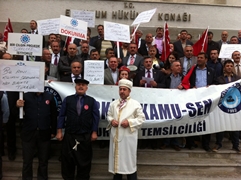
x: 211, y: 77
x: 40, y: 115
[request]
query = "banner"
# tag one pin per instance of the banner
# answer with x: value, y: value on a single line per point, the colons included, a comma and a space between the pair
x: 87, y: 16
x: 73, y: 27
x: 48, y: 26
x: 23, y: 76
x: 25, y: 44
x: 116, y: 32
x: 170, y: 112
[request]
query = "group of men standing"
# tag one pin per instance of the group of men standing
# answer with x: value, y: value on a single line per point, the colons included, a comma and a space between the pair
x: 79, y: 114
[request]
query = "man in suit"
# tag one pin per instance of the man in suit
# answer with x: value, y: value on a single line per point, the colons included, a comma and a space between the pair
x: 158, y: 77
x: 65, y: 61
x: 39, y: 126
x: 34, y: 30
x: 133, y: 58
x: 182, y: 43
x: 202, y: 76
x: 224, y: 39
x: 109, y: 52
x: 228, y: 77
x: 76, y: 70
x: 237, y: 64
x: 111, y: 73
x: 144, y: 48
x: 188, y: 60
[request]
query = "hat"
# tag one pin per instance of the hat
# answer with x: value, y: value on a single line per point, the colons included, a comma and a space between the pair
x: 124, y: 68
x: 81, y: 81
x: 126, y: 83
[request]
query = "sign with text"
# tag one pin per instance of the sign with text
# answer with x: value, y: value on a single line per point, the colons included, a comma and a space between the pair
x: 48, y: 26
x: 87, y: 16
x: 144, y: 17
x: 116, y: 32
x: 94, y: 71
x: 227, y: 50
x: 21, y: 76
x: 73, y: 27
x: 25, y: 44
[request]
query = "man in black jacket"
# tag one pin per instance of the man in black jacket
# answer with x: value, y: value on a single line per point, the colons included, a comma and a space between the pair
x: 80, y: 116
x: 39, y: 126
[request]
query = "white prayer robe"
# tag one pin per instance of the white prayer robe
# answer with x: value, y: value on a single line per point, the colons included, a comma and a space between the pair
x: 123, y: 141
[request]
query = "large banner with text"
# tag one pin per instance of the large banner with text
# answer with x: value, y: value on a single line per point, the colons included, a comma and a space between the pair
x: 169, y: 112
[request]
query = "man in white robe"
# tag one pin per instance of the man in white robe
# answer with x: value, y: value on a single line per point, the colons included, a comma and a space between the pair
x: 125, y: 117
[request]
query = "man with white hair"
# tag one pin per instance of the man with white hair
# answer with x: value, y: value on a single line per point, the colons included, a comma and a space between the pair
x: 125, y: 117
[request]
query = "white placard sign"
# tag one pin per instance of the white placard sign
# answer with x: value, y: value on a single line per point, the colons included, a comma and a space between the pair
x: 87, y: 16
x: 227, y: 50
x: 73, y: 27
x: 116, y: 32
x: 144, y: 17
x: 48, y: 26
x: 94, y: 71
x: 24, y: 76
x: 25, y: 44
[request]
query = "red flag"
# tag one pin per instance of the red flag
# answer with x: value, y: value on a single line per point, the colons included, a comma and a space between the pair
x: 202, y: 44
x: 166, y: 44
x: 8, y: 28
x: 185, y: 81
x: 68, y: 40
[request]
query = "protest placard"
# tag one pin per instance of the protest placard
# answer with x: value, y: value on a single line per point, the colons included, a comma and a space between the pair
x: 25, y: 44
x: 116, y: 32
x: 48, y: 26
x: 144, y: 17
x: 87, y: 16
x: 23, y: 76
x: 94, y: 71
x: 73, y: 27
x: 227, y: 50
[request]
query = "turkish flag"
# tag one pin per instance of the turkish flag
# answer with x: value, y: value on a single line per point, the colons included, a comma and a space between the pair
x: 68, y: 41
x: 202, y: 44
x: 8, y: 28
x: 186, y: 81
x: 166, y: 44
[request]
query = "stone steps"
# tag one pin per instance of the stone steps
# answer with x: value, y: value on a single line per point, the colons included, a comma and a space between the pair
x: 157, y: 164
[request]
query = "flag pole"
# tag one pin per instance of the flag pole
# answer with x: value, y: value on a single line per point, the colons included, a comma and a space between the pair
x: 205, y: 38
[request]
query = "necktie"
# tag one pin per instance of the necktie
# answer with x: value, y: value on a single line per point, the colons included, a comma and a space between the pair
x: 132, y: 60
x: 56, y: 60
x: 78, y: 105
x: 32, y: 31
x: 149, y: 76
x: 122, y: 103
x: 238, y: 70
x: 188, y: 64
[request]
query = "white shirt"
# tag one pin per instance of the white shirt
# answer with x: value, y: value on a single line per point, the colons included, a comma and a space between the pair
x: 129, y: 59
x: 73, y: 77
x: 114, y: 75
x: 53, y: 58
